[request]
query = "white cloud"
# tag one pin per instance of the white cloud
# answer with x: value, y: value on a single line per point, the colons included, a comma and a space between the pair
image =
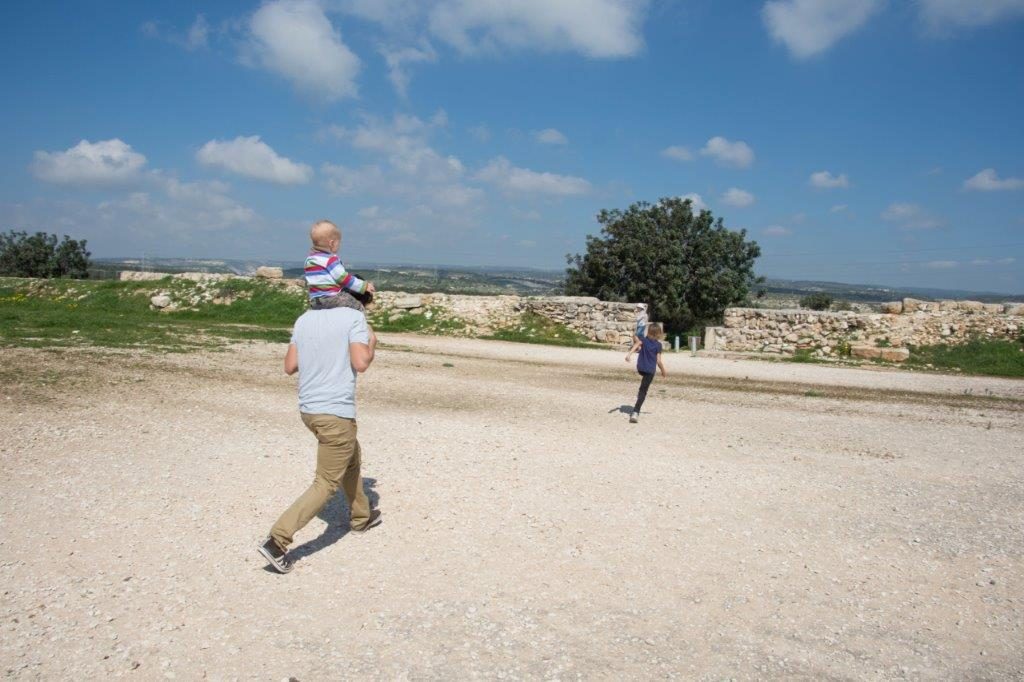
x: 981, y: 261
x: 943, y: 15
x: 737, y: 197
x: 295, y: 39
x: 90, y: 163
x: 910, y: 217
x: 809, y: 27
x: 253, y: 158
x: 550, y: 136
x: 777, y: 231
x: 408, y: 169
x: 397, y: 58
x: 941, y: 264
x: 1006, y: 261
x: 989, y: 181
x: 736, y: 154
x: 501, y: 173
x: 825, y: 180
x: 839, y: 208
x: 696, y: 202
x: 594, y: 28
x: 677, y: 153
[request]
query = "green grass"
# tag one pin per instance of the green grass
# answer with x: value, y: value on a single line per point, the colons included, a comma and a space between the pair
x: 991, y: 358
x: 534, y: 328
x: 430, y: 321
x: 803, y: 355
x: 55, y: 313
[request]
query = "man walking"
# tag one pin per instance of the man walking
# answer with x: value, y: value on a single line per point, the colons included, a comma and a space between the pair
x: 327, y: 349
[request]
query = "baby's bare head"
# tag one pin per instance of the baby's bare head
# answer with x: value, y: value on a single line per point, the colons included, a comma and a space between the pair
x: 325, y: 235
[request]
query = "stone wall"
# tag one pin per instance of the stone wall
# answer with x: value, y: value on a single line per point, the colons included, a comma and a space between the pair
x: 883, y: 335
x: 599, y: 321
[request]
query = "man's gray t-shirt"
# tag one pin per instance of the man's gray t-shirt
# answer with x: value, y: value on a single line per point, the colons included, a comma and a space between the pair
x: 327, y: 382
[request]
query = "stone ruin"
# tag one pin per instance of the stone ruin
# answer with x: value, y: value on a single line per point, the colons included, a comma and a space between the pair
x: 884, y: 336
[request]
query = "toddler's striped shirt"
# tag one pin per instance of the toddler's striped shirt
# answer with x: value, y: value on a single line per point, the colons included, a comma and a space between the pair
x: 326, y: 276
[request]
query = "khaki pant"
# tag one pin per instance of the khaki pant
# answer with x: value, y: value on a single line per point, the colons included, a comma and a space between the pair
x: 337, y: 463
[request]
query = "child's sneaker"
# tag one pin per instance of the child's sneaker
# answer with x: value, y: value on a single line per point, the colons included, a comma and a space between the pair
x: 634, y: 417
x: 277, y: 557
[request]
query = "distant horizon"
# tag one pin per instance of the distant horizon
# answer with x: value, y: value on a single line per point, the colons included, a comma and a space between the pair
x: 456, y: 266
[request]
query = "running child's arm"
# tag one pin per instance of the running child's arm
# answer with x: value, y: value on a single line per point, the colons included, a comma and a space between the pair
x: 344, y: 278
x: 661, y: 366
x: 635, y: 348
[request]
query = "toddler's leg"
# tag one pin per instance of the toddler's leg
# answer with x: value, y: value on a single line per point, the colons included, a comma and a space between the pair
x: 342, y: 300
x: 347, y: 300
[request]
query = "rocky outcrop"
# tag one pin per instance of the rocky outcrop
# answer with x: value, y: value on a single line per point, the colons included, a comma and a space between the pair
x: 884, y: 336
x: 268, y: 272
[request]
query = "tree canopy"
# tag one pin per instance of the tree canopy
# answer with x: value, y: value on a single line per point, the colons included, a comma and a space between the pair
x: 687, y: 267
x: 42, y: 255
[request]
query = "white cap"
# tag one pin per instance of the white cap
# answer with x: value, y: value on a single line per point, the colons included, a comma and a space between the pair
x: 641, y: 306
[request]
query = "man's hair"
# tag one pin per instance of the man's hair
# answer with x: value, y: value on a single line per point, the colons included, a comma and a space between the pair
x: 655, y: 331
x: 322, y: 232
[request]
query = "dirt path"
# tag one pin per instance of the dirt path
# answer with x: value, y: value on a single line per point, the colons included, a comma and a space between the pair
x: 763, y: 520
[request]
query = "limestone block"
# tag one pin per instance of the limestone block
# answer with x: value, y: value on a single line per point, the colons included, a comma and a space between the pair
x: 971, y: 305
x: 1015, y: 309
x: 911, y: 305
x: 894, y: 354
x: 996, y: 308
x: 267, y: 272
x: 948, y: 305
x: 711, y: 337
x: 408, y: 302
x: 160, y: 301
x: 867, y: 352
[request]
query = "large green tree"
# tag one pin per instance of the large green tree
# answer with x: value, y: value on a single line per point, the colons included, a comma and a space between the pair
x: 42, y: 255
x: 688, y: 267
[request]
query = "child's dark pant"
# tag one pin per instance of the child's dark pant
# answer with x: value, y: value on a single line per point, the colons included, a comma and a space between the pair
x: 341, y: 300
x: 645, y: 383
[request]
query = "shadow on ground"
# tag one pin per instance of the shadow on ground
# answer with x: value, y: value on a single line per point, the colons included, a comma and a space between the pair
x: 336, y: 514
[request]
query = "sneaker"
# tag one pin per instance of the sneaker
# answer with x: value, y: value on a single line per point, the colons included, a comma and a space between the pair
x: 277, y: 557
x: 373, y: 522
x: 634, y: 417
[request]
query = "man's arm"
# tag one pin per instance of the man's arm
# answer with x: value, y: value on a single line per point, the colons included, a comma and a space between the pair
x: 291, y: 360
x: 362, y: 353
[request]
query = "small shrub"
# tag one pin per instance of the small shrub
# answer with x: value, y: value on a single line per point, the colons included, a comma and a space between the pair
x: 843, y: 349
x: 883, y: 342
x: 842, y: 305
x: 819, y: 300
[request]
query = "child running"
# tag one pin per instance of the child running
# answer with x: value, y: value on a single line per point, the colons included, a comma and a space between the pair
x: 328, y: 283
x: 647, y: 361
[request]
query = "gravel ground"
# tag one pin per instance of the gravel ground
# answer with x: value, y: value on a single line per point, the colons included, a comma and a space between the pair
x: 762, y: 521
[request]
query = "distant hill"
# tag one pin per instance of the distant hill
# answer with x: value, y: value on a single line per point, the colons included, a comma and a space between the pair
x: 491, y: 280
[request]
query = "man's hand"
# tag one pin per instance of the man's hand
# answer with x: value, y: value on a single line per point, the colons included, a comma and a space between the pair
x: 370, y: 289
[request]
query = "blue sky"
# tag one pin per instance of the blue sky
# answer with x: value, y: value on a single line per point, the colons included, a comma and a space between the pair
x: 856, y: 140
